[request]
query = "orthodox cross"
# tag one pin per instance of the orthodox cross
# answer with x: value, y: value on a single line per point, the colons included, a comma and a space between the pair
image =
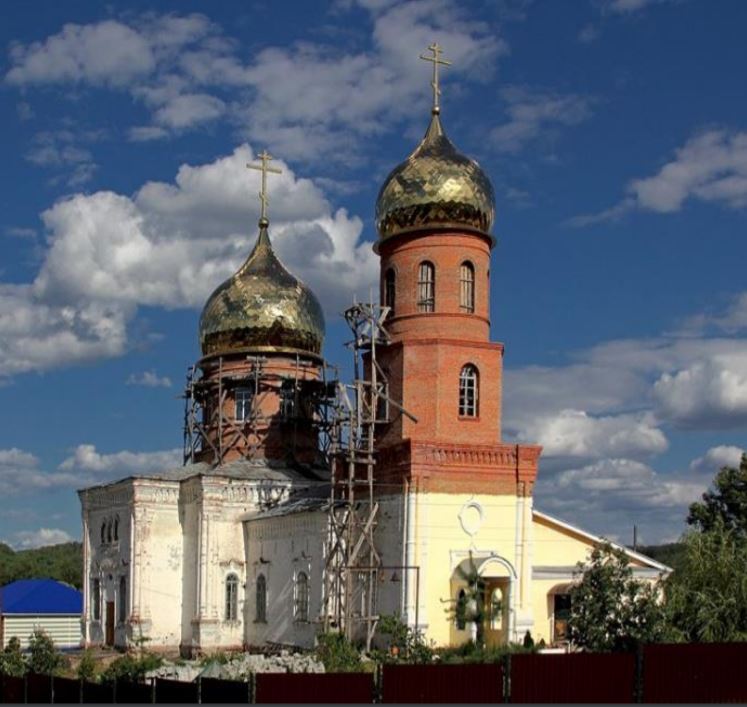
x: 265, y: 158
x: 435, y: 49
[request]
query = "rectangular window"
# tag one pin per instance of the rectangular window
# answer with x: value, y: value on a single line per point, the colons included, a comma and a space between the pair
x: 96, y: 600
x: 243, y: 398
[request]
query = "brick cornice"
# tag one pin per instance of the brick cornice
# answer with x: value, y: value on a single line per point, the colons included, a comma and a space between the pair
x: 432, y: 466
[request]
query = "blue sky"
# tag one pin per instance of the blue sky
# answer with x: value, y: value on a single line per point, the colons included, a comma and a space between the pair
x: 615, y: 133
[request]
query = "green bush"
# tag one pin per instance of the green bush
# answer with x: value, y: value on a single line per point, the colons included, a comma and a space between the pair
x: 472, y: 652
x: 337, y: 654
x: 43, y: 656
x: 12, y: 662
x: 131, y: 668
x: 404, y: 644
x: 87, y: 667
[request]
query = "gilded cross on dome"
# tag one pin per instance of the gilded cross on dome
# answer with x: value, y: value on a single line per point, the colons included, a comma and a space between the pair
x: 265, y: 159
x: 435, y: 49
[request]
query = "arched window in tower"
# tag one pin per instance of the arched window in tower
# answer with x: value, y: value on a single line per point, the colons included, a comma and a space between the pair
x: 426, y: 287
x: 232, y: 597
x: 468, y: 391
x: 467, y: 287
x: 390, y: 292
x: 301, y: 612
x: 260, y: 615
x: 122, y: 600
x: 243, y: 399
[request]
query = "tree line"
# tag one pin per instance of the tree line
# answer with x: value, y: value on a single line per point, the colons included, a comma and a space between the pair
x: 62, y: 562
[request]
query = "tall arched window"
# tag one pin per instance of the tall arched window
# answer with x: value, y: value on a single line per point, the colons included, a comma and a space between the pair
x: 103, y: 532
x: 122, y: 600
x: 261, y: 610
x: 468, y: 391
x: 232, y: 598
x: 301, y: 612
x: 426, y: 287
x: 467, y: 287
x: 116, y: 529
x: 109, y: 531
x: 390, y: 292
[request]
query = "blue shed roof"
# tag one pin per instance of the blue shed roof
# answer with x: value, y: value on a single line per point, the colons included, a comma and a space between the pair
x: 40, y: 596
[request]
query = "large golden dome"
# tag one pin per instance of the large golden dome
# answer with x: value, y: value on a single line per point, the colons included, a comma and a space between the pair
x: 435, y: 186
x: 262, y: 308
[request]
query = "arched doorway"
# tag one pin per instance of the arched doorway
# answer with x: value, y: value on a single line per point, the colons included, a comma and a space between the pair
x: 496, y: 578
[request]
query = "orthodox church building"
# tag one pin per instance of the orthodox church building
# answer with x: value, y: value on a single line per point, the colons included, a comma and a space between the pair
x: 254, y: 540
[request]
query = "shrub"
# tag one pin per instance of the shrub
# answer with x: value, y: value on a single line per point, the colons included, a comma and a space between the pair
x: 337, y: 653
x: 43, y: 656
x: 11, y: 659
x: 131, y: 668
x: 87, y: 666
x: 405, y: 644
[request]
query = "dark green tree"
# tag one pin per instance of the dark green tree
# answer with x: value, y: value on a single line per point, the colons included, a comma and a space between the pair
x: 610, y: 609
x: 87, y: 666
x: 726, y: 502
x: 11, y: 659
x: 706, y: 598
x: 43, y: 656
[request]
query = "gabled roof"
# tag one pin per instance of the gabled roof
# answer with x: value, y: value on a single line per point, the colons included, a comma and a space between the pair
x: 596, y: 539
x: 40, y: 596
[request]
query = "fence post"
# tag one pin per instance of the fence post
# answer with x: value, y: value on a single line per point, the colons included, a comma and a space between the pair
x: 506, y: 677
x: 638, y: 679
x: 252, y: 688
x: 199, y: 689
x: 378, y: 695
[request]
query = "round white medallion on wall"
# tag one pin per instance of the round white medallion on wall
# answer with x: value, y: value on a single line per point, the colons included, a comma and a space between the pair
x: 471, y: 517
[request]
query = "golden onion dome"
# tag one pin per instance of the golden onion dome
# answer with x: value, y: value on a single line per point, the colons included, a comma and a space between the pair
x: 435, y: 186
x: 262, y: 308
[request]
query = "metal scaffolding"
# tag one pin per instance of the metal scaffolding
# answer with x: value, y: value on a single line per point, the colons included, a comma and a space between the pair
x: 212, y: 433
x: 344, y: 419
x: 352, y: 562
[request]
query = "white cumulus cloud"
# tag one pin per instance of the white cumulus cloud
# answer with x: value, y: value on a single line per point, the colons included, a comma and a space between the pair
x: 710, y: 167
x: 716, y: 458
x: 708, y: 393
x: 149, y: 379
x: 86, y: 458
x: 29, y: 539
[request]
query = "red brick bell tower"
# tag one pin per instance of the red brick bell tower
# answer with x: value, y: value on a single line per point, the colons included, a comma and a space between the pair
x: 434, y: 215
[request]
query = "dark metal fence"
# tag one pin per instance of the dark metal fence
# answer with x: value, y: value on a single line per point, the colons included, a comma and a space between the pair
x: 577, y: 677
x: 442, y: 683
x: 695, y: 672
x: 659, y: 673
x: 335, y: 688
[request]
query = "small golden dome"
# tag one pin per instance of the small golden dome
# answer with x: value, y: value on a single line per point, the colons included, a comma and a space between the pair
x: 262, y: 308
x: 435, y: 186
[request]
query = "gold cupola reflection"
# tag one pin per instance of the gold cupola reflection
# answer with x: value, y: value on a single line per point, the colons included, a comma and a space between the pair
x: 262, y: 308
x: 436, y: 186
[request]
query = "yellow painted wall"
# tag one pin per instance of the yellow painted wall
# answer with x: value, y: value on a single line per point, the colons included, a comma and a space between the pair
x: 440, y: 538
